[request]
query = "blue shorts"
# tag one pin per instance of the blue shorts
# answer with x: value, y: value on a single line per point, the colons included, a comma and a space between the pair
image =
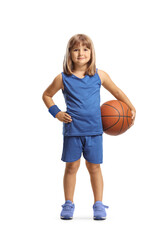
x: 91, y: 146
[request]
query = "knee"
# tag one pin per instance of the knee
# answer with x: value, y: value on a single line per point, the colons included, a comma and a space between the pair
x: 72, y: 167
x: 92, y: 167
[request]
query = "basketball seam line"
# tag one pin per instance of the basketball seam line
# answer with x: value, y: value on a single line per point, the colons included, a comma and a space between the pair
x: 112, y: 107
x: 123, y: 117
x: 112, y: 125
x: 127, y: 118
x: 115, y: 116
x: 118, y: 116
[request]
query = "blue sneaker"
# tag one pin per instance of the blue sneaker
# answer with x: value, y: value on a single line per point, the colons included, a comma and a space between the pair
x: 99, y: 211
x: 67, y: 211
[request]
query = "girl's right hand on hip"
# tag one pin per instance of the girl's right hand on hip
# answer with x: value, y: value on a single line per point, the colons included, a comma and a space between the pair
x: 64, y: 117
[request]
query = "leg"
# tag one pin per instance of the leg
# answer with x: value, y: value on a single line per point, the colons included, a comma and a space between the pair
x: 69, y: 179
x: 96, y: 180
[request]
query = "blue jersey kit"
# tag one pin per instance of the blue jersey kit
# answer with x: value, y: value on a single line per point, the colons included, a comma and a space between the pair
x: 82, y: 98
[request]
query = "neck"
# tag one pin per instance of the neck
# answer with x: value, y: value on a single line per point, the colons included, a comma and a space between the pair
x: 80, y: 69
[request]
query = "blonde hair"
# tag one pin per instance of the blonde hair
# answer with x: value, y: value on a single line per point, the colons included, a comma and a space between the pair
x: 68, y: 63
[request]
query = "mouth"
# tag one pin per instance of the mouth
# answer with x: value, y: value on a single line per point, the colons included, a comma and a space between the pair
x: 80, y: 58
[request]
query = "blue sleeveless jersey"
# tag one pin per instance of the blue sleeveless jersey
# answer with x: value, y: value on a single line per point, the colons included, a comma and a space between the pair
x: 82, y: 98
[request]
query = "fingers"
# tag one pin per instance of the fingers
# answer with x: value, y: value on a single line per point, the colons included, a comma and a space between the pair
x: 133, y: 117
x: 67, y: 118
x: 67, y: 115
x: 132, y: 123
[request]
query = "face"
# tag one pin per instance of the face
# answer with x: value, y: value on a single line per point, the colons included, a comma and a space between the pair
x: 80, y: 55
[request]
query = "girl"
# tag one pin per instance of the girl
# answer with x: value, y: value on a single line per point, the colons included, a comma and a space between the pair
x: 80, y: 82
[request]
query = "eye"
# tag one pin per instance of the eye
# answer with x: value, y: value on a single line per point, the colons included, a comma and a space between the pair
x: 75, y: 50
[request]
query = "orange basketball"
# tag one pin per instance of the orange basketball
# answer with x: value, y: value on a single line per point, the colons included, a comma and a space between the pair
x: 116, y: 117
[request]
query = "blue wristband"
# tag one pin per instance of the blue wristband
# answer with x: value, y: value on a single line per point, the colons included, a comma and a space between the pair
x: 54, y: 110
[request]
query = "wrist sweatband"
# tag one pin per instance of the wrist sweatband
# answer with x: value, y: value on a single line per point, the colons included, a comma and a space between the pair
x: 54, y: 110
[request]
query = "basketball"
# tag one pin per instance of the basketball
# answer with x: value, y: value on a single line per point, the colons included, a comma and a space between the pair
x: 116, y: 117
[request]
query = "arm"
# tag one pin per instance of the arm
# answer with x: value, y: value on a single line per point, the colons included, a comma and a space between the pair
x: 108, y: 84
x: 53, y: 88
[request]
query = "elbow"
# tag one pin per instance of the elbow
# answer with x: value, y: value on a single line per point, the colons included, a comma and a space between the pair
x: 43, y: 96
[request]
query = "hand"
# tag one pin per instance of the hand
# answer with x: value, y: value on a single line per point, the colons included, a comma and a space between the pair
x: 133, y: 116
x: 64, y: 117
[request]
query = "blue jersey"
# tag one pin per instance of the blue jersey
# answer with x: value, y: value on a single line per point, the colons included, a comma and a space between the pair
x: 82, y: 98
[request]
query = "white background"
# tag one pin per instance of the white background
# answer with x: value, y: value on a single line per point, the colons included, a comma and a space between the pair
x: 34, y: 35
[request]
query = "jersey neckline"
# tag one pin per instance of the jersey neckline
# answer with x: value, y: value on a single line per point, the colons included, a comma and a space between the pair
x: 73, y: 75
x: 79, y: 77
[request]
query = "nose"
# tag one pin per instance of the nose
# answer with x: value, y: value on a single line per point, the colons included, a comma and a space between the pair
x: 80, y: 52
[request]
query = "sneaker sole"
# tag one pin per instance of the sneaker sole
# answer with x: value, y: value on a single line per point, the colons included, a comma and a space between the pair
x: 66, y: 218
x: 99, y: 218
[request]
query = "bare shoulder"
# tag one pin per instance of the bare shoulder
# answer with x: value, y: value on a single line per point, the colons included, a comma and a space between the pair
x: 108, y: 83
x: 58, y: 77
x: 103, y: 75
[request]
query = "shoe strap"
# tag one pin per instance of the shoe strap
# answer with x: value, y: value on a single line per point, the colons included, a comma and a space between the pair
x: 67, y: 206
x: 99, y: 205
x: 105, y: 206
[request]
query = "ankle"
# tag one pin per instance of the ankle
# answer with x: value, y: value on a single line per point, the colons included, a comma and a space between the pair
x: 70, y: 199
x: 97, y: 200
